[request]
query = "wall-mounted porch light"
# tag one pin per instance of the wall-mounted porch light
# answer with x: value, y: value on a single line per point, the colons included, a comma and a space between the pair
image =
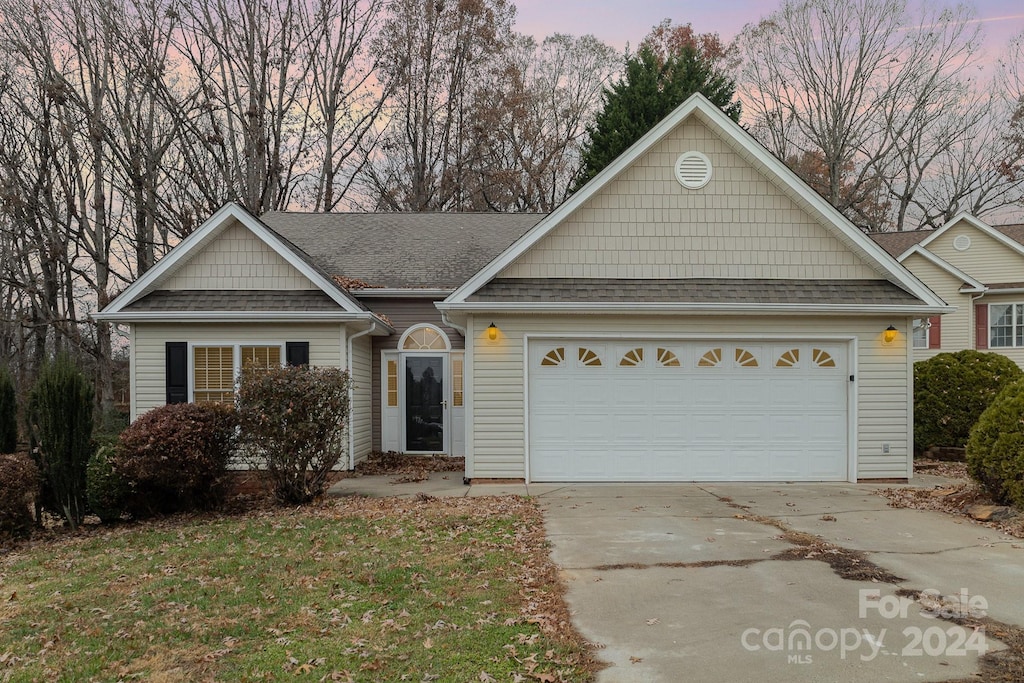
x: 889, y: 336
x: 492, y: 332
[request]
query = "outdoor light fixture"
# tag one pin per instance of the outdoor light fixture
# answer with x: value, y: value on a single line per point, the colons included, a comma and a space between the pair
x: 889, y: 336
x: 492, y: 332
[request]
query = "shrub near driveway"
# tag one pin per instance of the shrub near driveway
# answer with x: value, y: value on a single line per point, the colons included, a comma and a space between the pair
x: 995, y: 451
x: 354, y: 590
x: 951, y: 390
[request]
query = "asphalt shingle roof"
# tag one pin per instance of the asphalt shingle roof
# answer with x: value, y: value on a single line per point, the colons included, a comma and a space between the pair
x: 234, y: 300
x: 405, y: 250
x: 696, y: 290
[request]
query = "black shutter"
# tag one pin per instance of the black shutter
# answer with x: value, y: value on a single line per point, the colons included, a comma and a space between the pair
x: 297, y: 353
x: 177, y: 371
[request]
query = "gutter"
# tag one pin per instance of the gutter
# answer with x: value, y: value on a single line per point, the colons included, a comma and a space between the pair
x: 351, y: 394
x: 668, y: 308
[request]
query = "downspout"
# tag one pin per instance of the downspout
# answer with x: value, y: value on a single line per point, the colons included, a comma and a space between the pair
x: 448, y: 321
x: 351, y: 395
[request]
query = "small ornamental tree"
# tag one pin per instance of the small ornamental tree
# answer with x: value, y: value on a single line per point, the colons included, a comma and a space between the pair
x: 951, y: 390
x: 60, y: 410
x: 995, y: 450
x: 293, y: 424
x: 8, y: 412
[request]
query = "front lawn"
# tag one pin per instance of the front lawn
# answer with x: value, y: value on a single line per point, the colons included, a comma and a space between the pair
x: 358, y: 589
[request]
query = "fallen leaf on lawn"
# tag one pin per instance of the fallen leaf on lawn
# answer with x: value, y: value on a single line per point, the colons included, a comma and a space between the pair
x: 428, y: 643
x: 635, y: 660
x: 652, y: 622
x: 485, y: 677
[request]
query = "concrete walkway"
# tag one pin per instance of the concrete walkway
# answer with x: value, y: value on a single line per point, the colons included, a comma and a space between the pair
x: 683, y: 582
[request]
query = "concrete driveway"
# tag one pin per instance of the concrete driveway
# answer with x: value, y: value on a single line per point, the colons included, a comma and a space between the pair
x: 703, y: 583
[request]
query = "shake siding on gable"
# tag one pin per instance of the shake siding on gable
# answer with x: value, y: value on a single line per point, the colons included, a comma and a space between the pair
x: 883, y: 378
x: 362, y: 398
x: 327, y: 347
x: 237, y: 259
x: 644, y: 224
x: 957, y: 328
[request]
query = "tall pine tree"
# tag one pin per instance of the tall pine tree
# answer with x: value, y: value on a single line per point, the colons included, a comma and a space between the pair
x: 649, y: 90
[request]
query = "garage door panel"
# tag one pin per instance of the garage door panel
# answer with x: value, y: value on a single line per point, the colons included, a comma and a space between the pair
x: 649, y: 411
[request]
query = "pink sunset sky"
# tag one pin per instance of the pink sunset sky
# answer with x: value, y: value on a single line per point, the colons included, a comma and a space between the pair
x: 628, y: 21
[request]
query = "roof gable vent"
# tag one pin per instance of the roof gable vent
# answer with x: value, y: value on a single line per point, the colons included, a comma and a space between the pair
x: 961, y: 242
x: 693, y: 170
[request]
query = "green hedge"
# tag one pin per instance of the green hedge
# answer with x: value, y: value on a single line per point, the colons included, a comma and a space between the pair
x: 952, y: 390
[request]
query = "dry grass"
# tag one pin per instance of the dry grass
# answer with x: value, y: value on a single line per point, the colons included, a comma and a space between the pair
x: 355, y: 589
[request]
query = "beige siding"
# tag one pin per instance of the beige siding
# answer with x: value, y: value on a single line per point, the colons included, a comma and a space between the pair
x: 237, y: 259
x: 326, y: 348
x: 957, y: 328
x: 497, y: 433
x: 644, y: 224
x: 362, y: 395
x: 986, y: 260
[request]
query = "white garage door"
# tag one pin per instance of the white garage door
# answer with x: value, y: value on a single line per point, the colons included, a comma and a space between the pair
x: 687, y: 411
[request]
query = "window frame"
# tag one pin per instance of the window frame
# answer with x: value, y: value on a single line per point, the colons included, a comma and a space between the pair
x: 1016, y: 326
x: 924, y: 325
x: 236, y: 359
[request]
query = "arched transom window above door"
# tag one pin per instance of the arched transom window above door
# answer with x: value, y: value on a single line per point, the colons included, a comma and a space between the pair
x: 424, y: 338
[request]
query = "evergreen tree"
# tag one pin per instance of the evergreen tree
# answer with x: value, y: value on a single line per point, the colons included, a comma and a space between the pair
x: 649, y: 90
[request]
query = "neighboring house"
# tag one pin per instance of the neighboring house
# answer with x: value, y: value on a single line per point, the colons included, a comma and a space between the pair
x: 694, y: 313
x: 978, y: 269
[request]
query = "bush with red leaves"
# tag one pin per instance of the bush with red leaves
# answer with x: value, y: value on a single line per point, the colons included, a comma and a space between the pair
x: 19, y: 486
x: 175, y: 458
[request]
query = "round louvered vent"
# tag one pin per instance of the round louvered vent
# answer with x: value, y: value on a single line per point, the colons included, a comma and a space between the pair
x: 693, y: 170
x: 961, y: 242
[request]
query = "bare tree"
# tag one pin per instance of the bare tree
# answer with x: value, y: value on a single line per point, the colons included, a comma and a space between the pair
x: 864, y: 86
x: 431, y: 56
x: 532, y: 119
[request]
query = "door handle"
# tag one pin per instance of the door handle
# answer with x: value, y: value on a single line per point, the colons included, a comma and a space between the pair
x: 444, y: 403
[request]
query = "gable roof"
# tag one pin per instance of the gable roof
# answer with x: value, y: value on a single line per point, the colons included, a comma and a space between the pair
x: 121, y: 308
x: 714, y: 118
x: 978, y: 224
x: 899, y: 243
x: 402, y: 250
x: 970, y: 284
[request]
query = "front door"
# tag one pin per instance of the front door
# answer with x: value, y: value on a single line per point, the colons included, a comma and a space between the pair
x: 424, y: 404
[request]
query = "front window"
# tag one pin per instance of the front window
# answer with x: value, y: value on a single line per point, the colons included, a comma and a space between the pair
x: 1005, y: 325
x: 921, y: 326
x: 215, y: 368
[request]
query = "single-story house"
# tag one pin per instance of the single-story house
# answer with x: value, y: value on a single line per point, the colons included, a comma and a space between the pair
x: 976, y: 268
x: 695, y: 313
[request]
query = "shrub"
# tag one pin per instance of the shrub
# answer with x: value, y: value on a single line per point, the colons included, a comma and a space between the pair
x: 60, y: 409
x: 294, y: 422
x: 107, y: 490
x: 951, y: 390
x: 19, y: 486
x: 995, y: 450
x: 8, y: 412
x: 175, y: 458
